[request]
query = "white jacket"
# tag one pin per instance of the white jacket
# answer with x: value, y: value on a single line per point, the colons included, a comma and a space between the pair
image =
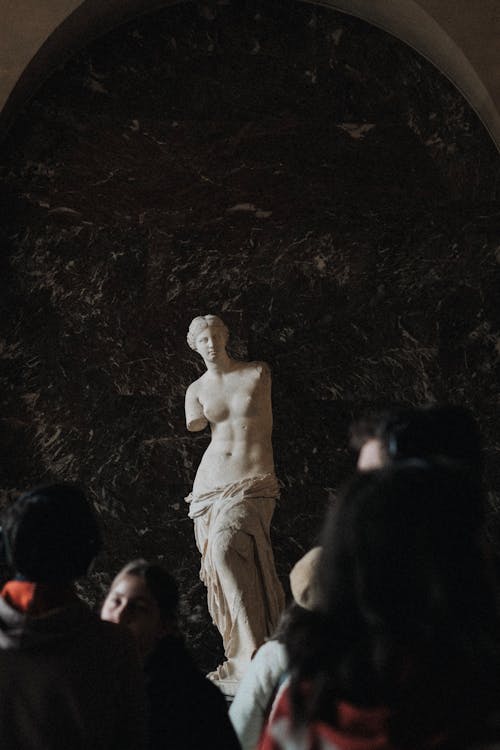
x: 256, y: 691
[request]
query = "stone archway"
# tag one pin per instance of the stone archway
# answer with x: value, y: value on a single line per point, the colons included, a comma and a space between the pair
x: 439, y: 32
x: 460, y: 40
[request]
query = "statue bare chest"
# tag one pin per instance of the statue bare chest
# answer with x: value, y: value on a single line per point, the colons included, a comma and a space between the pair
x: 241, y: 397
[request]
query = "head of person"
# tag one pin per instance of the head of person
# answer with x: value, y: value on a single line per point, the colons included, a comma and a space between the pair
x: 406, y: 602
x: 303, y: 577
x: 144, y: 598
x: 304, y: 589
x: 207, y: 333
x: 429, y: 432
x: 401, y: 543
x: 368, y: 437
x: 50, y: 534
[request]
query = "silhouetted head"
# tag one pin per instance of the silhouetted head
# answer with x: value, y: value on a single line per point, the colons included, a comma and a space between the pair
x: 401, y: 549
x: 50, y: 534
x: 406, y: 614
x: 429, y: 432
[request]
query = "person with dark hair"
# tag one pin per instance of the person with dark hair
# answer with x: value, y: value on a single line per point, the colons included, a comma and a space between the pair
x: 67, y: 680
x: 404, y: 648
x: 185, y: 710
x: 428, y: 432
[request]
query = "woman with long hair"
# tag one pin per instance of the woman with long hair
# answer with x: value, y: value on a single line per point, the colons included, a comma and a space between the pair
x: 404, y: 650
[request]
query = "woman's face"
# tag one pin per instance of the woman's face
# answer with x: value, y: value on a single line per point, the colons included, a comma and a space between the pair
x: 211, y: 343
x: 130, y: 603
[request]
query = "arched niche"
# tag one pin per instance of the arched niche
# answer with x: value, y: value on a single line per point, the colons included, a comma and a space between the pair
x: 459, y: 38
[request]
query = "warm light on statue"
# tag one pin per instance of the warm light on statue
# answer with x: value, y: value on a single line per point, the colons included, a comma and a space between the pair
x: 234, y: 494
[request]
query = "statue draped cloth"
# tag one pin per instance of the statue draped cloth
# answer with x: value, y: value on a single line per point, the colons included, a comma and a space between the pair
x: 245, y: 597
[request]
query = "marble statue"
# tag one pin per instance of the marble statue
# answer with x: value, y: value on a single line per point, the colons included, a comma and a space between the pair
x: 233, y: 497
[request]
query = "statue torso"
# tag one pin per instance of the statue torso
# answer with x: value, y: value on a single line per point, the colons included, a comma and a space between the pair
x: 237, y: 406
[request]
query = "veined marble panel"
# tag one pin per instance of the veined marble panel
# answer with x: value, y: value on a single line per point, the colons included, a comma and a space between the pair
x: 300, y: 173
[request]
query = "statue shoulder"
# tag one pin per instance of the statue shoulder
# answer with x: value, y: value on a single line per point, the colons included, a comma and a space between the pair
x: 195, y: 417
x: 262, y: 370
x: 193, y: 390
x: 262, y: 366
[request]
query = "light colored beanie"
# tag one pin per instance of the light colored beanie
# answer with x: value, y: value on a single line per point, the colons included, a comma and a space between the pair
x: 302, y: 579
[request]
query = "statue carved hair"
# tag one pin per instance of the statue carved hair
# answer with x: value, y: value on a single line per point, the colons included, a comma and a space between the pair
x: 201, y: 322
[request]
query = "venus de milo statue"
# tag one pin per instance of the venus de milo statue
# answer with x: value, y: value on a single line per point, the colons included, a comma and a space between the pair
x: 234, y: 495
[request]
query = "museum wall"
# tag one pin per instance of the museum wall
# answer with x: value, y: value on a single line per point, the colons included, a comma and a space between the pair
x: 295, y: 170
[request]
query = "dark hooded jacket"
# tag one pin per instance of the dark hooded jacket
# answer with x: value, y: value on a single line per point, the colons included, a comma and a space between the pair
x: 68, y: 681
x: 186, y: 711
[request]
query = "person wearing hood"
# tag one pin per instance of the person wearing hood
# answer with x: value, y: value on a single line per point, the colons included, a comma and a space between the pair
x: 67, y: 680
x: 403, y: 649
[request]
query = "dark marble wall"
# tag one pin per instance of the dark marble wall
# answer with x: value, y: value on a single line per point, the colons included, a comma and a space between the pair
x: 300, y: 173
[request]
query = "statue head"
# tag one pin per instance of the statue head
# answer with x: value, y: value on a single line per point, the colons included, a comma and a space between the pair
x: 199, y: 324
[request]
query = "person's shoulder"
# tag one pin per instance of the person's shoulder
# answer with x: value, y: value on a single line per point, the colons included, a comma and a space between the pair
x: 81, y: 631
x: 172, y: 652
x: 272, y: 652
x: 267, y: 667
x: 115, y: 638
x: 211, y: 697
x: 189, y: 680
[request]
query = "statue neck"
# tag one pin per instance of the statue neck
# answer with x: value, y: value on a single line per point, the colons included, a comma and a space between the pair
x: 223, y: 365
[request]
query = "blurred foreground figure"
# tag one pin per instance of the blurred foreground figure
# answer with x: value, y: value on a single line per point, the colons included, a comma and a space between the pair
x: 429, y: 432
x: 67, y: 680
x: 404, y: 649
x: 186, y: 711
